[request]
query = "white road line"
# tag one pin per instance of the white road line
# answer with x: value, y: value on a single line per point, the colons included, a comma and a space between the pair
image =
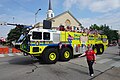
x: 1, y: 63
x: 10, y: 54
x: 2, y: 55
x: 18, y: 54
x: 116, y: 64
x: 118, y: 57
x: 103, y: 61
x: 97, y: 57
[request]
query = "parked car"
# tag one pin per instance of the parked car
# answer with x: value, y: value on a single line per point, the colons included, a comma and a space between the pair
x: 2, y: 40
x: 113, y: 44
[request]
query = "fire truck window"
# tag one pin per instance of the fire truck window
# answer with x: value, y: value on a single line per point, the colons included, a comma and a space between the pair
x: 37, y: 35
x: 99, y: 38
x: 46, y: 36
x: 91, y: 38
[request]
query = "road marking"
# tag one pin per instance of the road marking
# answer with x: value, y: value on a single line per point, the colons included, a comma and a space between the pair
x: 97, y: 57
x: 19, y: 54
x: 116, y: 64
x: 1, y: 63
x: 10, y: 54
x: 2, y: 55
x: 118, y: 57
x: 103, y: 61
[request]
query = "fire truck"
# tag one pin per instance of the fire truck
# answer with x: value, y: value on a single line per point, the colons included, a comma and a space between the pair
x: 53, y: 45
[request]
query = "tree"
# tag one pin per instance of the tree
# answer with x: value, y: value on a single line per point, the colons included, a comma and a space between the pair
x: 95, y: 26
x: 111, y: 34
x: 15, y: 33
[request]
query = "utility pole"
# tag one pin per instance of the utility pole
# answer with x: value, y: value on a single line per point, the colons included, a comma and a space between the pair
x: 13, y: 19
x: 36, y: 15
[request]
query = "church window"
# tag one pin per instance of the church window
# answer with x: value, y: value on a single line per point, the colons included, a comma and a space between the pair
x: 51, y: 15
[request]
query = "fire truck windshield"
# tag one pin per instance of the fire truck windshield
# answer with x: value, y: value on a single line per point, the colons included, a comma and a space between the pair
x: 37, y: 35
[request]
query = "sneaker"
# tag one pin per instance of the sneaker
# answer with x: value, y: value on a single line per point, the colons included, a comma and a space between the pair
x: 92, y: 75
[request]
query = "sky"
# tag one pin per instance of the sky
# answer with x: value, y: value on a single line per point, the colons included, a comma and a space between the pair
x: 87, y: 12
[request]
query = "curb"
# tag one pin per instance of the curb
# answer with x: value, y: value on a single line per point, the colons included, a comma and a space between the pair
x: 10, y: 54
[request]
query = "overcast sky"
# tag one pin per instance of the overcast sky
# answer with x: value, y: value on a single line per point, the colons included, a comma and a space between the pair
x: 86, y: 11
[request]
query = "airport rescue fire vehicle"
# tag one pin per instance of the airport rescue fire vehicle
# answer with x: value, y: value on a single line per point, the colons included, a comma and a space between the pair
x: 53, y: 45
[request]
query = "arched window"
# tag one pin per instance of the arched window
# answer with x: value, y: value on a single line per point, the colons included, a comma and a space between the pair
x: 67, y: 22
x: 51, y: 15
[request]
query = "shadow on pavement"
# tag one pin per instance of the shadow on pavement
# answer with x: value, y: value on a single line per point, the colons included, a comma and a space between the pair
x: 78, y: 70
x: 23, y: 61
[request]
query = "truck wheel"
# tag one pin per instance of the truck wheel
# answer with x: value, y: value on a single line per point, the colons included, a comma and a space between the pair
x: 50, y: 56
x: 101, y: 49
x: 65, y: 54
x: 96, y: 49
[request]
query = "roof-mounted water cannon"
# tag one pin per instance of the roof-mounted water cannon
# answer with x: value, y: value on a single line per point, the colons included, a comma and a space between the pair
x: 17, y: 25
x: 20, y: 25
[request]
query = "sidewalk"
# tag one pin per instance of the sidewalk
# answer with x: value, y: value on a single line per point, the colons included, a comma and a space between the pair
x: 110, y: 74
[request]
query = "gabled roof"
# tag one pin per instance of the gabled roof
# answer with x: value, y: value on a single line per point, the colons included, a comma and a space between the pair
x: 63, y: 14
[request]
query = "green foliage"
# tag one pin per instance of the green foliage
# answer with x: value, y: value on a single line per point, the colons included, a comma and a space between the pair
x: 15, y: 33
x: 112, y: 34
x: 95, y: 26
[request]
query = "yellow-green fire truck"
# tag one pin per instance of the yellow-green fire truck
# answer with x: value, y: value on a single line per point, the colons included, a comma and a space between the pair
x: 53, y: 45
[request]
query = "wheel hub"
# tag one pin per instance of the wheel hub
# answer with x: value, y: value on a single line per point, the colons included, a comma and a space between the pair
x: 52, y: 56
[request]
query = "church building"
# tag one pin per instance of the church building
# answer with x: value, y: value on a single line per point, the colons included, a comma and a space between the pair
x: 64, y: 19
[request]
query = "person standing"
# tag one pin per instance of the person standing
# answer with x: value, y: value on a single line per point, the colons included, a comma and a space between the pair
x: 91, y: 58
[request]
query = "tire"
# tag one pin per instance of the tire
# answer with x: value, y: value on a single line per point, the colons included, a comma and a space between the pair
x: 101, y: 49
x: 65, y: 54
x: 96, y: 49
x: 50, y: 56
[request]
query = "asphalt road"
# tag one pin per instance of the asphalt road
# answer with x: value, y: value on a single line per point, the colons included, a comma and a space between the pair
x: 26, y: 68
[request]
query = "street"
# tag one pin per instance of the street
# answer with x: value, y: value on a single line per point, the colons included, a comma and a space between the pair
x: 20, y: 67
